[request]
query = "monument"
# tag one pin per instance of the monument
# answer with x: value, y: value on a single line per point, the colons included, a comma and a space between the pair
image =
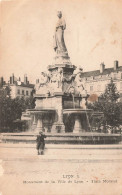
x: 59, y: 90
x: 60, y: 102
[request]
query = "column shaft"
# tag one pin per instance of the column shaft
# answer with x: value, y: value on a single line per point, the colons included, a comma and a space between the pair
x: 77, y: 125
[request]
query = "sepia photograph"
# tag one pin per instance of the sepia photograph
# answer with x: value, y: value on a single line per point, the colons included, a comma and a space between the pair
x: 60, y: 97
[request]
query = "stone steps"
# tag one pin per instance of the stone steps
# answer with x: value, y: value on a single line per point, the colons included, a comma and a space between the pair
x: 65, y: 138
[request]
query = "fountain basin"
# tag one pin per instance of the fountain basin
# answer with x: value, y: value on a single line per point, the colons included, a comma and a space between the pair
x: 64, y: 138
x: 77, y: 111
x: 39, y: 113
x: 41, y: 110
x: 82, y: 118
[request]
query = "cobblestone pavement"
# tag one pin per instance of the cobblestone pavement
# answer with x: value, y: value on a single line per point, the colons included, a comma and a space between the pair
x: 63, y: 170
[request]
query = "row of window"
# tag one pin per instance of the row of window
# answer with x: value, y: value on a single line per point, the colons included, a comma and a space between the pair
x: 113, y: 76
x: 99, y: 87
x: 23, y: 92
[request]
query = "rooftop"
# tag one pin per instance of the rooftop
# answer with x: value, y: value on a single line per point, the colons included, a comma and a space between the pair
x: 22, y: 84
x: 97, y: 72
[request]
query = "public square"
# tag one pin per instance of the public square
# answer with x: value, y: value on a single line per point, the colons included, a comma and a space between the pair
x: 75, y: 103
x: 63, y: 170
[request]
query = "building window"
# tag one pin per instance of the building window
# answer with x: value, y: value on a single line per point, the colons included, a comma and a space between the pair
x: 22, y: 92
x: 91, y: 88
x: 18, y: 91
x: 26, y: 92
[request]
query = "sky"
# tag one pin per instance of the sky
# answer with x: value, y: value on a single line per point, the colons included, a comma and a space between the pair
x: 93, y: 34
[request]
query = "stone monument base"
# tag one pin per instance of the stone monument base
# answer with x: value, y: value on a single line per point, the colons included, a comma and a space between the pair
x: 64, y: 138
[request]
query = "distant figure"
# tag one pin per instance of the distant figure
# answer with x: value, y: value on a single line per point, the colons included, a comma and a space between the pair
x: 40, y: 142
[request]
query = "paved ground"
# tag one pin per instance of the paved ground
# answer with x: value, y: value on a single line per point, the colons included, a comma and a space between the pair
x: 93, y: 170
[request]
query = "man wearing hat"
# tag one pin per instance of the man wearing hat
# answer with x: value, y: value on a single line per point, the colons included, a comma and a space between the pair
x: 40, y: 142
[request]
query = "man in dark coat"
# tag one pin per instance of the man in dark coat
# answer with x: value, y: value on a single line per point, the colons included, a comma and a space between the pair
x: 40, y: 141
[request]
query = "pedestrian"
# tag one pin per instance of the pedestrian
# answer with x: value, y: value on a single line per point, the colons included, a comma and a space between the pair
x: 40, y: 142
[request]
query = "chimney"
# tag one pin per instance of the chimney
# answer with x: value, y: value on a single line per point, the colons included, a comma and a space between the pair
x: 12, y: 79
x: 116, y: 65
x: 1, y: 81
x: 102, y: 67
x: 25, y: 79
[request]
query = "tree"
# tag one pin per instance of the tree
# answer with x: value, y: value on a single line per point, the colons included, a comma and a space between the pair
x: 108, y: 104
x: 111, y: 94
x: 11, y: 109
x: 5, y: 107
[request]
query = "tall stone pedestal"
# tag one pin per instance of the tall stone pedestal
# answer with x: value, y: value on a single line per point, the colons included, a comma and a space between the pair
x: 39, y: 125
x: 34, y: 124
x: 58, y: 126
x: 77, y: 125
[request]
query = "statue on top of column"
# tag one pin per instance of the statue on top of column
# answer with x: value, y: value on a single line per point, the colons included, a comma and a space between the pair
x: 59, y: 44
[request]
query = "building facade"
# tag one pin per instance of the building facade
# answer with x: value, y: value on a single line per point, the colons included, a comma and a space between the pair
x: 95, y: 82
x: 17, y: 87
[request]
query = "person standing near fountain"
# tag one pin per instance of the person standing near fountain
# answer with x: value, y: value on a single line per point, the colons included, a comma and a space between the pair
x: 40, y: 142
